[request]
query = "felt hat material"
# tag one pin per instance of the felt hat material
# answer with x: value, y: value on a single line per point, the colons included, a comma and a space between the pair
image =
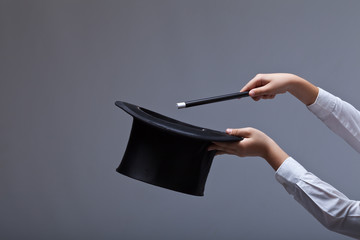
x: 168, y: 153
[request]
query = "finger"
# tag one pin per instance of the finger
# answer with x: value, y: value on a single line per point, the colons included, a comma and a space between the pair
x: 239, y: 132
x: 218, y: 146
x: 212, y: 147
x: 268, y: 96
x: 253, y: 83
x: 220, y: 153
x: 222, y: 145
x: 260, y: 91
x: 225, y: 147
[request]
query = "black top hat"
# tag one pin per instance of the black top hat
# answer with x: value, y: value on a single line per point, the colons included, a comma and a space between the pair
x: 168, y: 153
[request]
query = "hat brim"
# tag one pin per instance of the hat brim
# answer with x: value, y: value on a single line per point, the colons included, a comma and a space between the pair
x: 174, y: 126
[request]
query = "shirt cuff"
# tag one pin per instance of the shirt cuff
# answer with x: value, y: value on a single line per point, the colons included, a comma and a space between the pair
x: 323, y: 105
x: 289, y: 173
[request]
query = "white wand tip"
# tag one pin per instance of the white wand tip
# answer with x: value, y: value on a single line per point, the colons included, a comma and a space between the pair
x: 181, y: 105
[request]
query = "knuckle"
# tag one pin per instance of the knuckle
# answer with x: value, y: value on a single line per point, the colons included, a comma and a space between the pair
x: 248, y: 130
x: 235, y: 132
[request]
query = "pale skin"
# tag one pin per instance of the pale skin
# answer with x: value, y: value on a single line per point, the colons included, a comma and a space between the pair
x: 255, y: 142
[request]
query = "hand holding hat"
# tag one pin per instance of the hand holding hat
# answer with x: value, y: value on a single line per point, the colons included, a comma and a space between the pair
x: 255, y: 143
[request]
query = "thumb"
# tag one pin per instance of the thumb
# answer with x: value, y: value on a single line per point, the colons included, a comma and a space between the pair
x: 239, y: 132
x: 260, y: 91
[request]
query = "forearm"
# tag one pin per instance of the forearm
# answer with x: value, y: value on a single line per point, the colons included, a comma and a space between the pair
x: 327, y: 204
x: 341, y: 117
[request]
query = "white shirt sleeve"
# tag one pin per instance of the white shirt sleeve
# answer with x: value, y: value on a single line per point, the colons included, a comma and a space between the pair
x: 341, y: 117
x: 328, y: 205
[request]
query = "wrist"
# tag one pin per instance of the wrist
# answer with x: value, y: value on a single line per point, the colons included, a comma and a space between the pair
x: 274, y: 155
x: 303, y: 90
x: 295, y: 83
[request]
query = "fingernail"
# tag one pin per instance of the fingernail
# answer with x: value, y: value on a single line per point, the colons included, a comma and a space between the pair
x: 252, y: 93
x: 228, y: 131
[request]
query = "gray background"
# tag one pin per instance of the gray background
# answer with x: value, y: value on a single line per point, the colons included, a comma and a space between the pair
x: 63, y: 64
